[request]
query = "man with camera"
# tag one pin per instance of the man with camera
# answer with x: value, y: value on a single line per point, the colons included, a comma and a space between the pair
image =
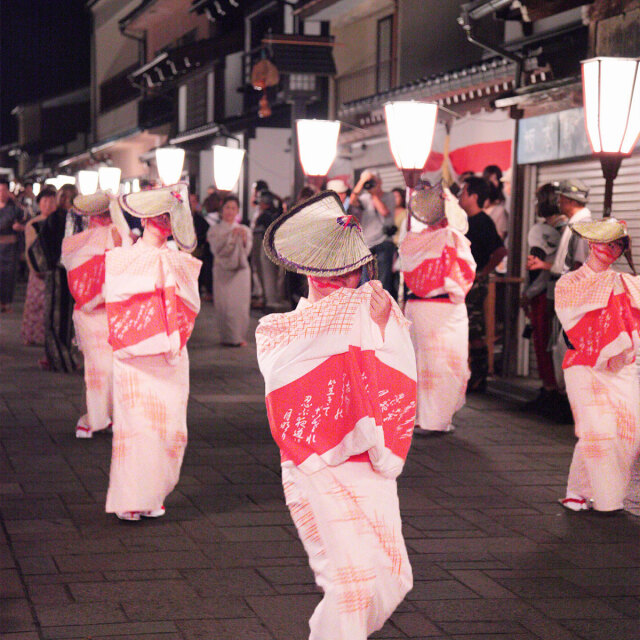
x: 372, y: 206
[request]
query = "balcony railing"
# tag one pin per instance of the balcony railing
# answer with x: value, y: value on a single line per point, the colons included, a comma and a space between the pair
x: 364, y: 82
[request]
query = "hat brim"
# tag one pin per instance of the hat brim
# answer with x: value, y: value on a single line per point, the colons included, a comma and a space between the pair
x: 171, y: 199
x: 602, y: 231
x: 94, y: 204
x: 305, y: 267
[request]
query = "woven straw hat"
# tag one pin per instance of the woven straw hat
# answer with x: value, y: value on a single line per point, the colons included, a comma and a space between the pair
x: 602, y: 231
x: 174, y: 200
x: 431, y: 204
x: 317, y: 238
x: 98, y: 203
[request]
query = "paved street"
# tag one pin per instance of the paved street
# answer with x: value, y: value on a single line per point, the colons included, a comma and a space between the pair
x: 493, y: 555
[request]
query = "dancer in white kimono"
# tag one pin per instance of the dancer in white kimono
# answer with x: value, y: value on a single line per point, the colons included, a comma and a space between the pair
x: 340, y: 391
x: 439, y: 270
x: 600, y: 312
x: 230, y: 244
x: 152, y: 302
x: 83, y: 256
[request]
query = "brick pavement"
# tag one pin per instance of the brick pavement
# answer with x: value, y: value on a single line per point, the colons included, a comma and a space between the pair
x: 494, y: 556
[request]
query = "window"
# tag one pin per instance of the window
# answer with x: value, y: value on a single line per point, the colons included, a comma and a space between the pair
x: 384, y: 54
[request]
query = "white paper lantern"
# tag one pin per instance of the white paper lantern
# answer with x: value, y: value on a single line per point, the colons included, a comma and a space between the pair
x: 227, y: 164
x: 170, y: 161
x: 87, y: 182
x: 109, y: 179
x: 317, y: 145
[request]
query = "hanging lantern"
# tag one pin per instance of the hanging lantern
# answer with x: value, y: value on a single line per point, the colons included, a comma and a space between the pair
x: 611, y: 93
x: 411, y: 126
x: 109, y: 179
x: 317, y: 145
x: 36, y: 188
x: 170, y: 161
x: 227, y: 164
x: 87, y: 182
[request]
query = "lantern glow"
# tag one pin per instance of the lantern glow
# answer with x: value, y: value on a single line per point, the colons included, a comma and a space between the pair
x: 611, y: 89
x: 87, y: 182
x: 170, y: 161
x: 410, y: 126
x: 317, y: 145
x: 227, y: 164
x: 36, y: 188
x: 109, y: 179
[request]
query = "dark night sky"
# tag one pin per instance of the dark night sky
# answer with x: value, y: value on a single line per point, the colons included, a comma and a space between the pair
x: 44, y: 51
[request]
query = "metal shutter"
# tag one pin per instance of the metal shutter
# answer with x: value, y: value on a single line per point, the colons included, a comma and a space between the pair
x: 626, y: 190
x: 391, y: 177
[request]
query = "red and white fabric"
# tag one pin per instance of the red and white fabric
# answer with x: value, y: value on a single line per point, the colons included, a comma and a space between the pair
x: 83, y: 256
x: 334, y: 387
x: 439, y: 263
x: 341, y: 403
x: 600, y: 313
x: 152, y: 301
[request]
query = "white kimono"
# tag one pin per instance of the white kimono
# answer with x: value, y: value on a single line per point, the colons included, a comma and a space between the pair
x: 341, y: 405
x: 600, y: 313
x: 439, y: 269
x: 83, y: 256
x: 152, y: 302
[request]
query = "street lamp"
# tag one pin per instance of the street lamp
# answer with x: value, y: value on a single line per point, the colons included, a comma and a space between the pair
x: 411, y: 126
x: 170, y: 161
x: 109, y: 179
x: 36, y: 188
x: 611, y: 93
x: 227, y: 164
x: 317, y: 146
x: 87, y: 182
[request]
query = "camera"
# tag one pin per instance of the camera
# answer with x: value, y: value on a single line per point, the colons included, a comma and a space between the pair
x: 369, y: 184
x: 390, y: 230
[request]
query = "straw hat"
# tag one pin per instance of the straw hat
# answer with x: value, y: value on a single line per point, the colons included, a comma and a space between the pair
x: 174, y: 200
x: 98, y: 203
x: 317, y: 238
x: 337, y: 185
x: 431, y: 204
x: 603, y: 231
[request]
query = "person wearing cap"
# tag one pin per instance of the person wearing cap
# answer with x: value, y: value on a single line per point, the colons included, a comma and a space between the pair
x: 340, y: 384
x: 439, y: 270
x: 32, y: 330
x: 342, y: 189
x: 83, y: 257
x: 152, y: 301
x: 599, y: 309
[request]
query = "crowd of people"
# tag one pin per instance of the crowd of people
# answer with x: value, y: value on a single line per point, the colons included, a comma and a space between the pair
x: 350, y: 374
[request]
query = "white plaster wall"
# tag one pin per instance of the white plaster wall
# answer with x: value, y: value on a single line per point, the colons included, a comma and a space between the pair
x: 270, y: 159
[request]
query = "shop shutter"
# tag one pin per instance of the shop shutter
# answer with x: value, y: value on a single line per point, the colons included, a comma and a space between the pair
x: 196, y: 101
x: 391, y: 177
x: 626, y: 190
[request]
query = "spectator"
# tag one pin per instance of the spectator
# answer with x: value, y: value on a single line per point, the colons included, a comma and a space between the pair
x: 374, y: 209
x: 10, y: 227
x: 488, y: 250
x: 399, y: 212
x: 32, y: 331
x: 495, y: 208
x: 268, y: 271
x: 342, y: 189
x: 202, y: 250
x: 543, y: 241
x: 257, y: 286
x: 58, y: 300
x: 231, y: 246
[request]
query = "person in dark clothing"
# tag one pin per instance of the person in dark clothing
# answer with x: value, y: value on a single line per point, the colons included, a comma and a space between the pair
x: 11, y: 218
x: 58, y: 302
x: 202, y: 250
x: 488, y: 251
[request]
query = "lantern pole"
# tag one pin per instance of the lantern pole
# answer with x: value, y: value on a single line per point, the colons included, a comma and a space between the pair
x: 610, y: 164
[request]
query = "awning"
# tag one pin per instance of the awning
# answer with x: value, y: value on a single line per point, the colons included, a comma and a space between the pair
x: 203, y: 131
x: 175, y: 63
x: 302, y: 54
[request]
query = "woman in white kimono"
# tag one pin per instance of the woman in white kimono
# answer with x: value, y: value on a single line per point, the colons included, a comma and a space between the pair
x: 439, y: 270
x: 340, y: 391
x: 600, y: 313
x: 152, y: 302
x: 83, y: 257
x: 230, y: 244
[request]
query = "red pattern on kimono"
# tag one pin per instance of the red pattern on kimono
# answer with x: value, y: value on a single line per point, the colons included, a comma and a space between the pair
x: 436, y: 262
x: 600, y: 313
x: 152, y: 299
x: 83, y: 258
x: 335, y: 390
